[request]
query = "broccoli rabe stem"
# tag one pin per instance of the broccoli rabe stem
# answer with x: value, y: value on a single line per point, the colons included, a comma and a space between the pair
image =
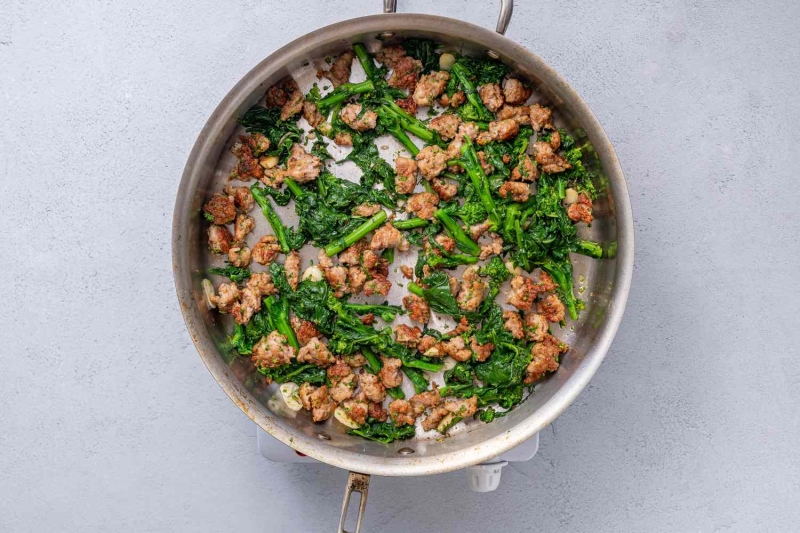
x: 357, y: 234
x: 373, y: 363
x: 462, y: 74
x: 295, y: 188
x: 451, y: 261
x: 393, y: 126
x: 278, y: 311
x: 562, y: 275
x: 464, y: 243
x: 411, y: 223
x: 590, y: 248
x: 366, y: 61
x: 262, y: 198
x: 343, y: 92
x: 417, y: 378
x: 479, y: 180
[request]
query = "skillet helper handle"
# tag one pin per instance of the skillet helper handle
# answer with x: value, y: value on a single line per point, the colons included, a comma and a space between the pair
x: 506, y: 9
x: 355, y: 483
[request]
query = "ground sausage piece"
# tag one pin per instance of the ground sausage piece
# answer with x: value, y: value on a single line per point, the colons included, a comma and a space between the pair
x: 446, y: 242
x: 356, y: 278
x: 545, y: 284
x: 513, y: 324
x: 462, y: 408
x: 468, y: 129
x: 540, y: 117
x: 312, y: 115
x: 472, y: 290
x: 342, y: 138
x: 239, y: 255
x: 286, y: 95
x: 408, y: 105
x: 422, y: 204
x: 247, y: 151
x: 292, y: 267
x: 519, y: 114
x: 492, y: 96
x: 356, y: 409
x: 548, y: 160
x: 483, y: 138
x: 430, y: 347
x: 227, y: 296
x: 355, y: 360
x: 407, y: 271
x: 372, y: 387
x: 407, y: 335
x: 445, y: 191
x: 581, y: 211
x: 476, y: 230
x: 219, y: 239
x: 220, y: 208
x: 457, y: 349
x: 516, y: 190
x: 503, y: 130
x: 455, y: 286
x: 482, y: 351
x: 456, y: 100
x: 387, y: 236
x: 522, y: 293
x: 424, y: 400
x: 336, y: 276
x: 378, y: 285
x: 366, y: 210
x: 305, y: 391
x: 249, y: 304
x: 545, y: 358
x: 353, y: 116
x: 272, y: 351
x: 432, y: 161
x: 242, y: 198
x: 429, y: 87
x: 418, y: 308
x: 377, y: 412
x: 390, y: 374
x: 555, y: 139
x: 322, y: 405
x: 340, y: 70
x: 446, y: 125
x: 402, y: 413
x: 244, y: 224
x: 493, y: 248
x: 406, y: 178
x: 262, y: 282
x: 487, y: 167
x: 303, y: 330
x: 352, y: 256
x: 551, y: 308
x: 536, y: 327
x: 525, y: 170
x: 406, y: 70
x: 390, y: 55
x: 435, y: 417
x: 515, y: 93
x: 266, y: 250
x: 344, y: 381
x: 302, y: 167
x: 315, y: 352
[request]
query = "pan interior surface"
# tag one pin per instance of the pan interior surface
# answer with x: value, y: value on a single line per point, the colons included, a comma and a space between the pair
x: 602, y: 284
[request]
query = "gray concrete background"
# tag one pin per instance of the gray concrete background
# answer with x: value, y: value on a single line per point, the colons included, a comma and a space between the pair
x: 109, y: 421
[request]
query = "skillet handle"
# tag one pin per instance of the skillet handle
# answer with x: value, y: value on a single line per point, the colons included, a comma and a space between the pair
x: 506, y: 9
x: 355, y: 483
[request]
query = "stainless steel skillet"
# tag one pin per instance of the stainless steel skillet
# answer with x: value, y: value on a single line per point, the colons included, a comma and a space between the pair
x: 605, y: 284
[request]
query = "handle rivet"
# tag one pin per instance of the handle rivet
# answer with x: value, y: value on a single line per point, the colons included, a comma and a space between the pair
x: 323, y: 436
x: 492, y: 54
x: 386, y: 35
x: 406, y: 451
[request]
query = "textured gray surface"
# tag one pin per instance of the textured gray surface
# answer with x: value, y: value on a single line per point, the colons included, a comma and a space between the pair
x: 110, y: 421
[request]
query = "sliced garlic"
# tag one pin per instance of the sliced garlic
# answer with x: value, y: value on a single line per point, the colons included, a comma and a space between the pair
x: 270, y: 161
x: 276, y: 404
x: 325, y: 128
x: 341, y: 415
x: 291, y: 396
x: 570, y: 196
x: 449, y: 363
x: 313, y: 273
x: 208, y: 292
x: 447, y: 422
x: 446, y: 61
